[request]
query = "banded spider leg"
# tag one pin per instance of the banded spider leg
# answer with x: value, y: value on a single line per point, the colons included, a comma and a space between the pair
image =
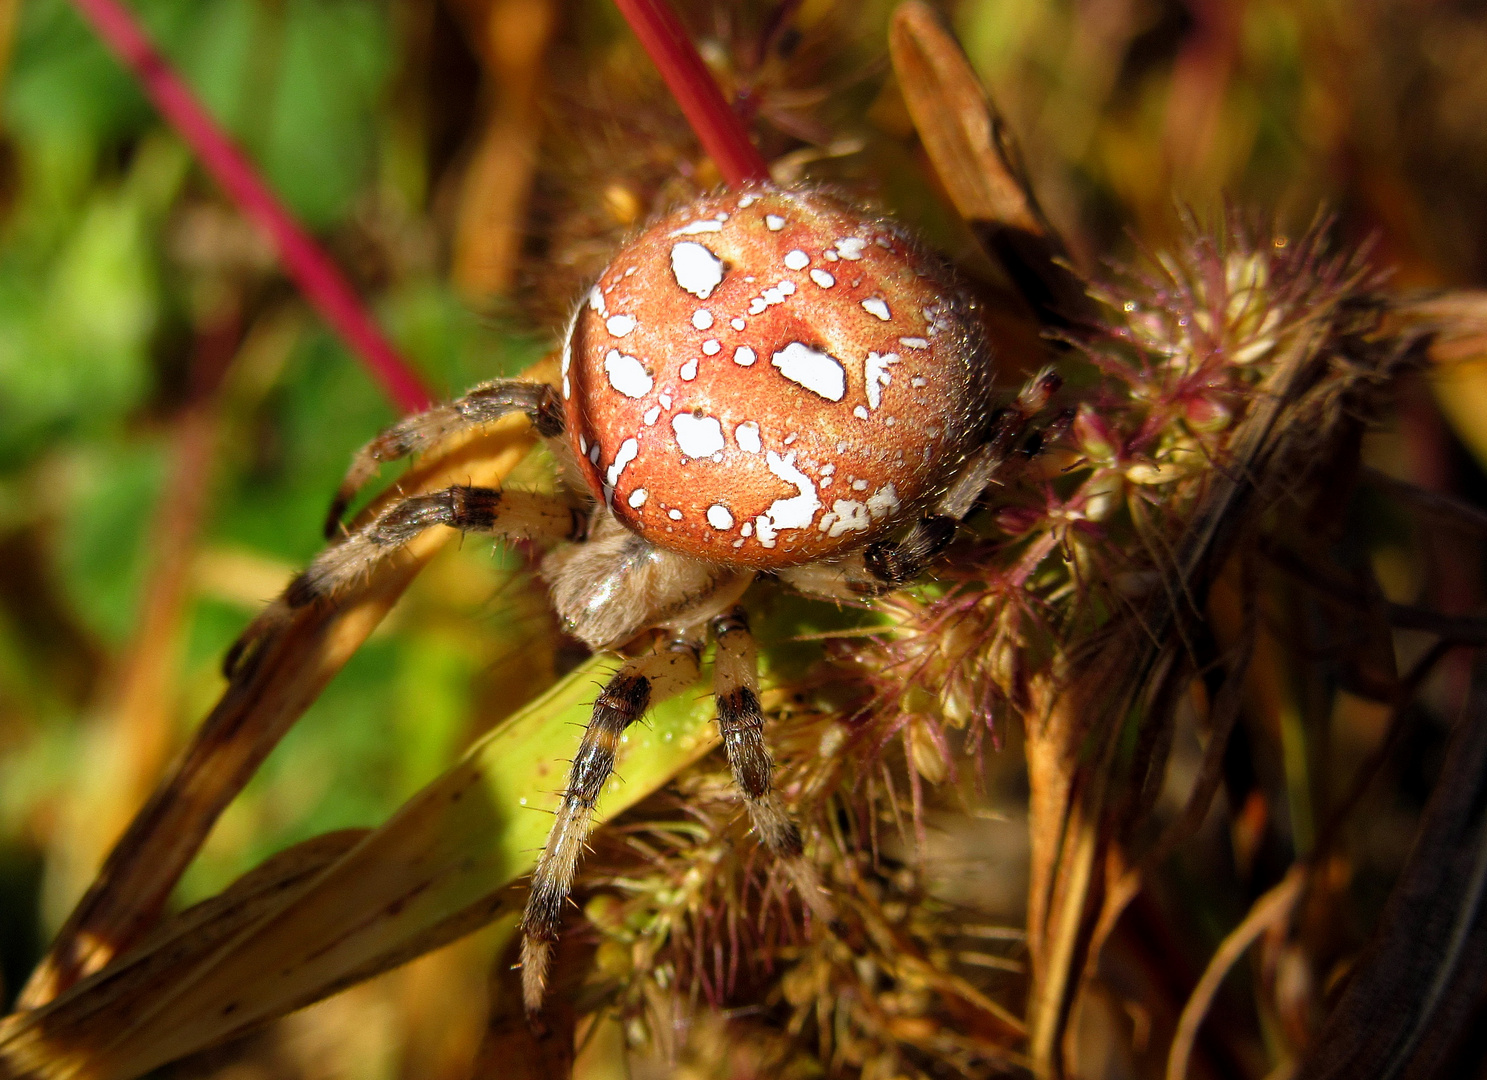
x: 640, y: 683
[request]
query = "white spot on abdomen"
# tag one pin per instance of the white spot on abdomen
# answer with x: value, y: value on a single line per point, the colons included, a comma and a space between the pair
x: 698, y: 436
x: 883, y: 502
x: 637, y: 498
x: 695, y: 227
x: 626, y: 454
x: 819, y: 372
x: 620, y: 325
x: 797, y: 259
x: 689, y: 370
x: 627, y: 374
x: 875, y: 375
x: 596, y: 301
x: 774, y: 222
x: 702, y: 319
x: 696, y: 268
x: 851, y: 247
x: 719, y: 517
x: 747, y: 435
x: 913, y: 342
x: 744, y: 356
x: 797, y: 511
x: 822, y: 278
x: 847, y: 515
x: 711, y: 347
x: 876, y: 305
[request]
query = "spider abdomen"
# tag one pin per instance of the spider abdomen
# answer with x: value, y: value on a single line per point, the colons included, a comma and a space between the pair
x: 767, y: 378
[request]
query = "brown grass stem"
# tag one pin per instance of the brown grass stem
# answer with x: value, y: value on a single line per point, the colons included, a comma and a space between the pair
x: 1267, y: 913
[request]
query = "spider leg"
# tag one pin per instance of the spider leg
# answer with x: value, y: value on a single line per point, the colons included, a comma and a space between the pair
x: 518, y: 514
x: 487, y: 402
x: 878, y: 568
x: 886, y: 564
x: 741, y: 723
x: 896, y: 562
x: 641, y: 682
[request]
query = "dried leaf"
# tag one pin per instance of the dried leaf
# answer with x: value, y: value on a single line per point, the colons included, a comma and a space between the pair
x: 971, y: 150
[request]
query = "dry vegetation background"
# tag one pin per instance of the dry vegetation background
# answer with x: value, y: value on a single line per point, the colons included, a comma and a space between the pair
x: 173, y: 420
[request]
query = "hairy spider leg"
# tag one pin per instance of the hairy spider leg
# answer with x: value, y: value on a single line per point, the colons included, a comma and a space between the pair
x: 741, y: 723
x: 897, y: 562
x: 639, y: 683
x: 519, y: 515
x: 888, y: 564
x: 486, y: 403
x: 880, y: 567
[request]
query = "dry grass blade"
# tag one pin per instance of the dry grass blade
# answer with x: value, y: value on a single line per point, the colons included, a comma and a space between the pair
x: 436, y: 870
x: 511, y: 39
x: 1124, y: 884
x: 971, y: 150
x: 1458, y: 313
x: 1420, y: 979
x: 117, y: 995
x: 1271, y: 910
x: 296, y: 655
x: 1133, y: 674
x: 1133, y: 669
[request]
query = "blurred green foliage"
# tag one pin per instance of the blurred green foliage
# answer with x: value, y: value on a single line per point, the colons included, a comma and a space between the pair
x: 100, y: 316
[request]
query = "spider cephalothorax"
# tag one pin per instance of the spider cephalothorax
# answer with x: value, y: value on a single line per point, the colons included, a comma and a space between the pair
x: 763, y: 381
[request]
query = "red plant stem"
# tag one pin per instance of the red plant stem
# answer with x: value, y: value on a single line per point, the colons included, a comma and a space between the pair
x: 718, y: 127
x: 309, y: 266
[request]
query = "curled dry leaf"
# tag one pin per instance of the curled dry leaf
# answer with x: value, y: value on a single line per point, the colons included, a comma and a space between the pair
x: 974, y: 158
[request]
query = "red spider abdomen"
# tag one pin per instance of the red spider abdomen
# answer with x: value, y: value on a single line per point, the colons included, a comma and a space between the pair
x: 768, y: 378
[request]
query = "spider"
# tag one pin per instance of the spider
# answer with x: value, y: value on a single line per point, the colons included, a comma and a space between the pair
x: 765, y: 382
